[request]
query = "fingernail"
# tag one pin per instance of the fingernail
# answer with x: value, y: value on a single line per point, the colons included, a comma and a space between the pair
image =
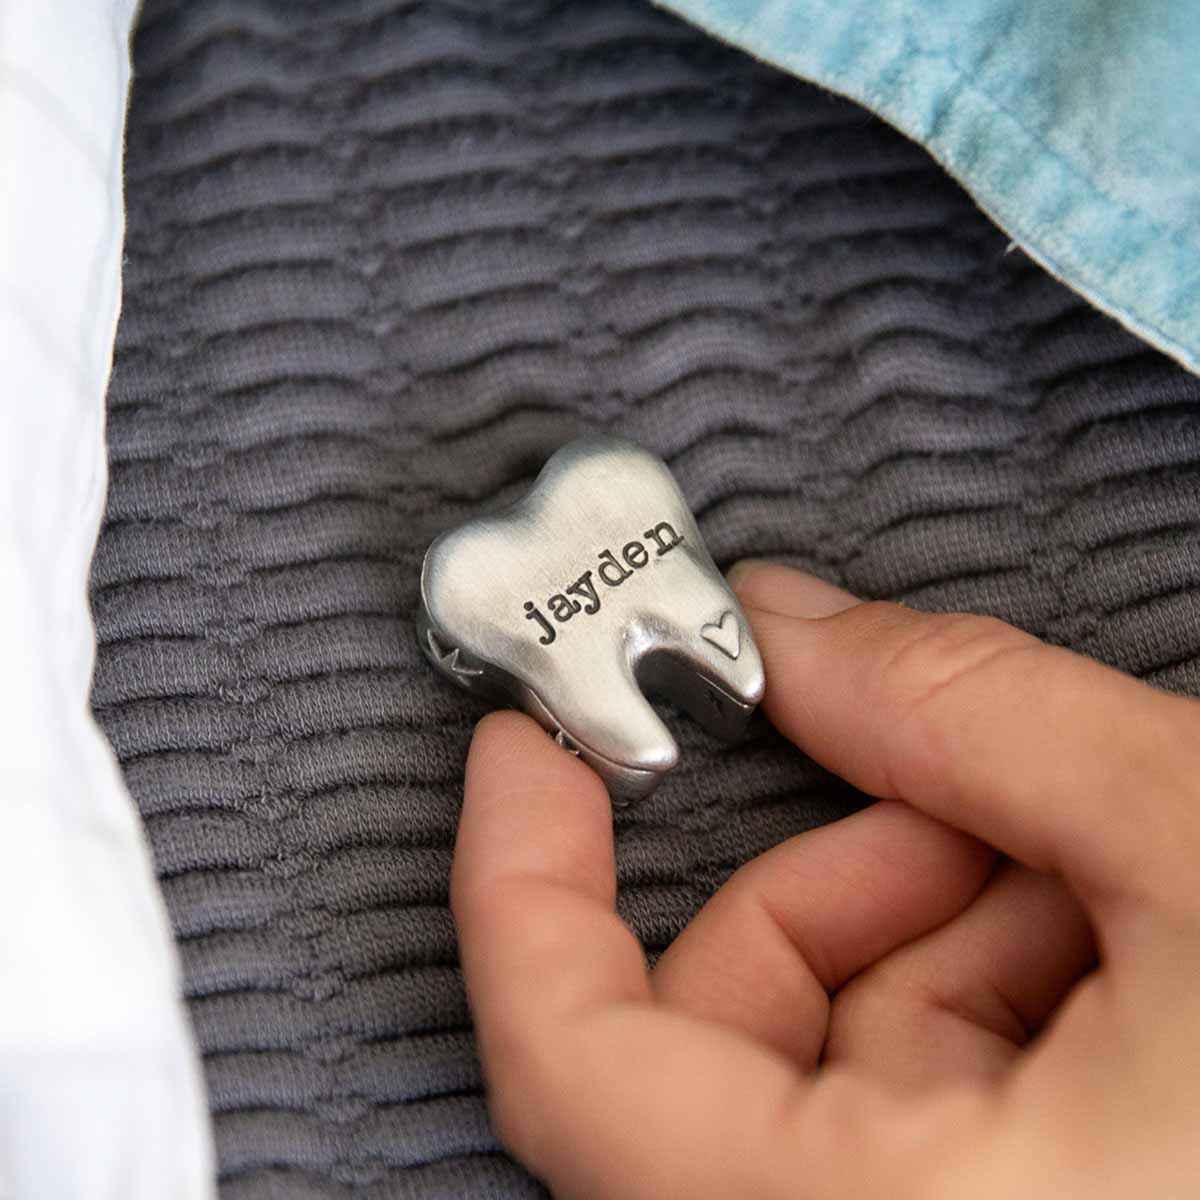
x: 786, y: 591
x: 743, y: 569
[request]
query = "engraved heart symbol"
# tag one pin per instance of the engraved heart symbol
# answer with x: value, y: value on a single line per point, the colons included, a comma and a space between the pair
x: 723, y: 634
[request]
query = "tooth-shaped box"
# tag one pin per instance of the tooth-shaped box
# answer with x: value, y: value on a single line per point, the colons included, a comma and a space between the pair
x: 590, y: 591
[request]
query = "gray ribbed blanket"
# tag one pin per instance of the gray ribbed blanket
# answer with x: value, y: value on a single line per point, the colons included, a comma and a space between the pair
x: 383, y: 257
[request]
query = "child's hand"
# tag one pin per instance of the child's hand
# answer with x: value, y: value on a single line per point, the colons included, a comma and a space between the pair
x: 968, y: 1044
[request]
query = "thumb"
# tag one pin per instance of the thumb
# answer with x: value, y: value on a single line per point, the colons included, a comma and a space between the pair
x: 1069, y: 766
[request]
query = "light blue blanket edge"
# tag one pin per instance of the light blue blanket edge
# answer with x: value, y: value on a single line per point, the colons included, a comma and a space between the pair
x: 1142, y: 272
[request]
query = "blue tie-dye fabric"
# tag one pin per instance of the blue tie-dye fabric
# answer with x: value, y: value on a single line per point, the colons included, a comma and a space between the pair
x: 1074, y: 123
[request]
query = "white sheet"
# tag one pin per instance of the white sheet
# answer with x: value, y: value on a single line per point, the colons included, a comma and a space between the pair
x: 100, y: 1092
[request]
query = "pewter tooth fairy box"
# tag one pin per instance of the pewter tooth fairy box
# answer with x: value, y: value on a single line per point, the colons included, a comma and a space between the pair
x: 588, y: 592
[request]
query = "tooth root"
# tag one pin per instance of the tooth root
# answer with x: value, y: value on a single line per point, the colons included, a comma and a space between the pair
x: 629, y: 771
x: 613, y: 720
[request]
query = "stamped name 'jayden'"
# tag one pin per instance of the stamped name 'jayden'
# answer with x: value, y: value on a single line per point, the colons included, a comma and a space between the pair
x: 584, y: 595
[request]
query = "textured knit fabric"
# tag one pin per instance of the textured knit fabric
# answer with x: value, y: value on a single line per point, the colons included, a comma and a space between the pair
x: 1076, y: 124
x: 382, y: 259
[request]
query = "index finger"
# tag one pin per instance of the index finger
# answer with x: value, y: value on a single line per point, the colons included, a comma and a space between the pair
x: 595, y: 1088
x: 533, y: 886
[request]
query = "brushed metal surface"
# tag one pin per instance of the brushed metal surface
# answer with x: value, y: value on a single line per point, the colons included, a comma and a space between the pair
x: 590, y: 591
